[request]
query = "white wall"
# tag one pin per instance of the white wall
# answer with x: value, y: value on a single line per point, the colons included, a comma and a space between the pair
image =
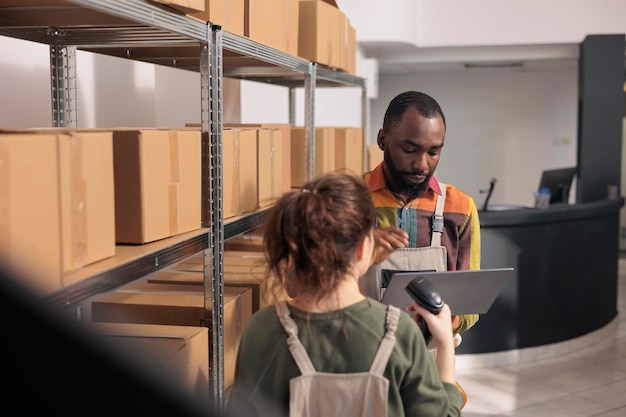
x: 504, y: 125
x: 25, y: 95
x: 340, y: 106
x: 428, y: 23
x: 115, y: 92
x: 507, y: 125
x: 111, y: 92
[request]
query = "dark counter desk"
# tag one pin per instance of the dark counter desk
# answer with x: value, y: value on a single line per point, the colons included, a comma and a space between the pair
x: 566, y: 259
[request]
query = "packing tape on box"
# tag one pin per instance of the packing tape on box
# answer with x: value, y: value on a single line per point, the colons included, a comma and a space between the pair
x: 288, y: 26
x: 329, y: 38
x: 272, y: 173
x: 78, y: 200
x: 228, y: 18
x: 174, y: 182
x: 238, y: 327
x: 236, y: 174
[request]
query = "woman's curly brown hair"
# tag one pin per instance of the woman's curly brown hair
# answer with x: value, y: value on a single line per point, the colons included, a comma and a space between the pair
x: 312, y: 234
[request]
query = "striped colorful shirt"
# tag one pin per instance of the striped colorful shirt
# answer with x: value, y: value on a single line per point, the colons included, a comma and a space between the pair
x: 461, y: 235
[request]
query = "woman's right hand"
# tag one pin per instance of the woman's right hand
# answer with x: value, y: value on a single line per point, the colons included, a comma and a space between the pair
x: 440, y: 327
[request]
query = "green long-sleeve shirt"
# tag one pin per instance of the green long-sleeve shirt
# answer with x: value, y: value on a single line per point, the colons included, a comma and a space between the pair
x: 342, y: 341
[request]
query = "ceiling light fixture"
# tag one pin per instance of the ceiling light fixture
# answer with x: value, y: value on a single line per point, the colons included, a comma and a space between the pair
x: 484, y: 65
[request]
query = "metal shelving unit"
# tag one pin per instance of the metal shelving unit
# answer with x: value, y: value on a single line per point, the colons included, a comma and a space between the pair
x: 142, y: 31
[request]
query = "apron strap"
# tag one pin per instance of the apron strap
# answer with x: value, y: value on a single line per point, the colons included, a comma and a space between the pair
x: 295, y: 347
x: 437, y: 219
x: 386, y: 346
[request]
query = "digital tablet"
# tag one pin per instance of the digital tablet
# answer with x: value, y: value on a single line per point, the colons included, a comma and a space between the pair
x: 466, y: 292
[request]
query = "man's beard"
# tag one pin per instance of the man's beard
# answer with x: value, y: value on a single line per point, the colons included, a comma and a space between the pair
x: 398, y: 185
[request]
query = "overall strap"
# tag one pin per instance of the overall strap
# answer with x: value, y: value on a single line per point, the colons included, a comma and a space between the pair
x: 437, y: 219
x: 388, y: 342
x: 295, y: 347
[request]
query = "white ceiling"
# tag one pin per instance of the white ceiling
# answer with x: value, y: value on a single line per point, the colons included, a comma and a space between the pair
x: 405, y: 58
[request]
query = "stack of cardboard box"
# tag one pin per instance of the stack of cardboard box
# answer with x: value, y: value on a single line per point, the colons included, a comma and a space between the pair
x: 315, y: 30
x: 57, y: 210
x: 337, y: 149
x: 175, y: 305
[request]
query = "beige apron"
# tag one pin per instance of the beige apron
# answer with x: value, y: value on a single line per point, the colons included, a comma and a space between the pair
x: 324, y: 394
x: 429, y: 258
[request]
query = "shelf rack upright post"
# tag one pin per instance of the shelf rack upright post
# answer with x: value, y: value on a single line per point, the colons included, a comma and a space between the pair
x: 136, y: 31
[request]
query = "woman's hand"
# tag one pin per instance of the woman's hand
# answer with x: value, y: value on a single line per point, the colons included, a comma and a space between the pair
x: 386, y: 240
x: 440, y: 327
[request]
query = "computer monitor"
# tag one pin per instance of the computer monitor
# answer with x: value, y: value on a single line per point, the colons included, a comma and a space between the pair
x: 558, y: 181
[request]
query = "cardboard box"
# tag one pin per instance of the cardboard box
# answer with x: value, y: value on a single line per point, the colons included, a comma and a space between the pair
x: 263, y: 24
x: 228, y: 14
x: 57, y: 210
x: 229, y: 266
x: 282, y: 150
x: 350, y: 49
x: 324, y: 153
x: 177, y: 277
x: 349, y: 150
x: 239, y: 152
x: 179, y: 308
x: 178, y: 353
x: 268, y: 158
x: 285, y: 160
x: 321, y: 33
x: 47, y: 13
x: 269, y: 170
x: 273, y: 23
x: 256, y: 282
x: 158, y: 176
x: 184, y: 6
x: 183, y: 307
x: 338, y: 40
x: 250, y: 241
x: 187, y: 281
x: 374, y: 156
x: 292, y: 25
x: 245, y: 258
x: 249, y: 258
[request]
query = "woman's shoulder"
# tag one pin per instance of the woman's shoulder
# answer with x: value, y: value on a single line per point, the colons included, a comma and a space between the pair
x: 263, y: 319
x: 406, y: 325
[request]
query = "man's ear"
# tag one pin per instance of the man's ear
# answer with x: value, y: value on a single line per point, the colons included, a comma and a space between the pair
x: 380, y: 139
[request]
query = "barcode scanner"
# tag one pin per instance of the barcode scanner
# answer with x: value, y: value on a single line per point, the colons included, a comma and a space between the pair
x: 424, y: 293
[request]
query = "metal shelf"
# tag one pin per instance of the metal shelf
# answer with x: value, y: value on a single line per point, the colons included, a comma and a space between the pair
x: 129, y: 264
x: 143, y: 31
x: 132, y: 262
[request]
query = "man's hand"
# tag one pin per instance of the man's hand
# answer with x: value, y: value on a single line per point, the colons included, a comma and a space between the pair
x: 456, y: 322
x: 386, y: 240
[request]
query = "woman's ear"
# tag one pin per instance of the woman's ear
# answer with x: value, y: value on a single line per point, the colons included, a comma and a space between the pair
x: 365, y: 248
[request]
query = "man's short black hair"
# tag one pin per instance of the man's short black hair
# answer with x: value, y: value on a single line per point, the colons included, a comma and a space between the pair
x: 422, y: 102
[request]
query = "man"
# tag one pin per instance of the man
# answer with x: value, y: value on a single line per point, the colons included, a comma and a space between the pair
x: 413, y: 233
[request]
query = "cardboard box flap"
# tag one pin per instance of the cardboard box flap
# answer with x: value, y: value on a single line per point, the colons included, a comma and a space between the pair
x: 182, y: 6
x: 147, y: 330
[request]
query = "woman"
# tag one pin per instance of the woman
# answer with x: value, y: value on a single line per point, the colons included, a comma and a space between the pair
x: 318, y: 241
